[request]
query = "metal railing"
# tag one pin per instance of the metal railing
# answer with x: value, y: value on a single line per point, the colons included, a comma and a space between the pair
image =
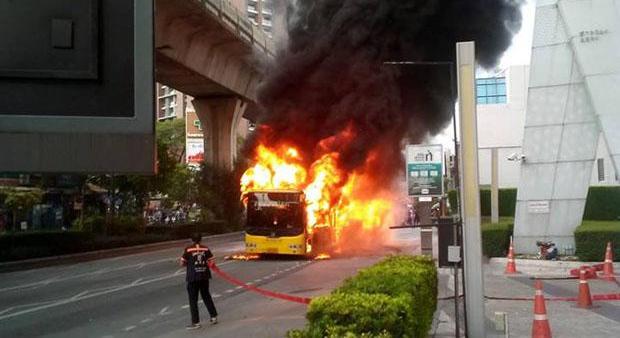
x: 240, y: 24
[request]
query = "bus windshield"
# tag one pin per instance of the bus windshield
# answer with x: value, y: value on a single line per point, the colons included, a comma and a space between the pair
x: 275, y: 214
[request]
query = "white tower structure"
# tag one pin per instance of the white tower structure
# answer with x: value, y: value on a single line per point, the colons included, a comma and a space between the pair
x: 573, y: 97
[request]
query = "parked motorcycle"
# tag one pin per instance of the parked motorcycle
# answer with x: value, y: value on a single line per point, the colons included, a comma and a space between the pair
x: 547, y: 250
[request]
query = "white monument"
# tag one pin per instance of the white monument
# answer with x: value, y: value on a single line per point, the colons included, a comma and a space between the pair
x: 574, y: 96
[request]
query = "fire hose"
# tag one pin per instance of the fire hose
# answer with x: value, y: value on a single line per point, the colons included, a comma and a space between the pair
x: 306, y: 300
x: 600, y: 297
x: 233, y: 280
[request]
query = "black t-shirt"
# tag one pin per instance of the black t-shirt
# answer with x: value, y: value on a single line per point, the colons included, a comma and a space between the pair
x: 197, y: 259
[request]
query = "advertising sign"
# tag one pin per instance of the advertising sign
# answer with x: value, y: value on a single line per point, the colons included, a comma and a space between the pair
x: 424, y: 170
x: 195, y: 150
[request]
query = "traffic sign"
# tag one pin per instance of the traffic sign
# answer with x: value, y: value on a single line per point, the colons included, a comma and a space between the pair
x: 425, y: 170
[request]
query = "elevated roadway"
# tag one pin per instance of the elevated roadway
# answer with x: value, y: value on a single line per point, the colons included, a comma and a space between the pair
x: 211, y: 51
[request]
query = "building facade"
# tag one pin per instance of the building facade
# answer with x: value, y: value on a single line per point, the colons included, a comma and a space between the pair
x: 260, y: 12
x: 502, y: 102
x: 170, y: 103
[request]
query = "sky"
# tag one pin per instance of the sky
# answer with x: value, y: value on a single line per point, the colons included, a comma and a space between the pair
x: 518, y: 53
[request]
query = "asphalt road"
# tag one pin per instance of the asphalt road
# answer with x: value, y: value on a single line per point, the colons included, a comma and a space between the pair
x: 143, y: 295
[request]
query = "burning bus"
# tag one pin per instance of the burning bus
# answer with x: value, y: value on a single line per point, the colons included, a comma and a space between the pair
x: 276, y: 223
x: 293, y: 207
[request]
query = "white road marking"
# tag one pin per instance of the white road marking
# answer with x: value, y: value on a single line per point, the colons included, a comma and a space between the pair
x: 80, y: 294
x: 93, y: 294
x: 86, y: 274
x: 7, y: 310
x: 164, y: 311
x: 185, y: 307
x: 258, y: 280
x: 229, y: 291
x: 137, y: 281
x: 129, y: 328
x: 215, y: 295
x: 147, y: 320
x: 238, y: 287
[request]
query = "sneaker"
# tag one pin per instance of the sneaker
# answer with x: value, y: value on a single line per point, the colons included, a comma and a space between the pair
x: 193, y: 326
x: 213, y: 320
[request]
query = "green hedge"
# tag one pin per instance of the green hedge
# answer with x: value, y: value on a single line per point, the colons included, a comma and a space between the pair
x: 25, y: 245
x: 394, y: 298
x: 507, y: 201
x: 603, y: 204
x: 496, y: 237
x: 591, y: 240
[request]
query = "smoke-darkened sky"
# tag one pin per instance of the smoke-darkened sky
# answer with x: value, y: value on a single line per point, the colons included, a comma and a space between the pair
x: 332, y: 75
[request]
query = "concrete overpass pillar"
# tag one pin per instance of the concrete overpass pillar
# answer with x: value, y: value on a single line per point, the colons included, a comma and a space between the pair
x: 220, y: 117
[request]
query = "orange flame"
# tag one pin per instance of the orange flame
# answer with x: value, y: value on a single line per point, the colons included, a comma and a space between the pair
x: 334, y: 197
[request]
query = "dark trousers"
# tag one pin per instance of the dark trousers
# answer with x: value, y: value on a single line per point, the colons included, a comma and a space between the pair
x: 192, y: 290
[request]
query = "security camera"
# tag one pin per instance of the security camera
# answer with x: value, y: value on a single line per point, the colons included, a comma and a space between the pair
x: 516, y: 157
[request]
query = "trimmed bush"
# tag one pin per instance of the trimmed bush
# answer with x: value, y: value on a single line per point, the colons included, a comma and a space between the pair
x: 14, y: 246
x: 394, y: 298
x: 507, y: 201
x: 591, y: 240
x: 603, y: 204
x: 361, y: 313
x: 25, y: 245
x: 496, y: 237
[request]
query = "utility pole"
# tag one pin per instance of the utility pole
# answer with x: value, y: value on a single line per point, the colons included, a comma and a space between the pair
x: 470, y: 193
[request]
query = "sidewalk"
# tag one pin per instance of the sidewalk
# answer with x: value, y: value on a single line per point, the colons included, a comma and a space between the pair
x: 566, y: 320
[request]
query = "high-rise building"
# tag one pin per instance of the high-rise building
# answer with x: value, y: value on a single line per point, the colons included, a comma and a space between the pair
x: 260, y: 13
x: 170, y: 103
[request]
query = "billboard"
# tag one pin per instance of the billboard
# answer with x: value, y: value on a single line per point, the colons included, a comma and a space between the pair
x: 424, y: 170
x: 195, y: 151
x: 77, y: 86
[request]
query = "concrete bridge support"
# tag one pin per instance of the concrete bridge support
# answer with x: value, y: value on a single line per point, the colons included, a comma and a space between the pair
x: 220, y: 117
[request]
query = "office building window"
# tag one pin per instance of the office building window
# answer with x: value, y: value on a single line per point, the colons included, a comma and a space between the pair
x: 491, y: 90
x: 600, y: 163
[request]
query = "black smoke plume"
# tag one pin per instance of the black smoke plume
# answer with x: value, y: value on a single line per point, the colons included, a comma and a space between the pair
x: 331, y: 75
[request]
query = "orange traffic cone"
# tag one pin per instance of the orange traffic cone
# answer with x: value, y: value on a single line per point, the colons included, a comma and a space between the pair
x: 608, y: 266
x: 510, y: 266
x: 540, y: 327
x: 584, y: 300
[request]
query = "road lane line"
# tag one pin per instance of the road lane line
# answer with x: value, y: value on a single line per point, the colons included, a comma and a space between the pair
x: 7, y: 310
x: 80, y: 294
x: 129, y: 328
x: 147, y: 320
x: 92, y: 295
x: 86, y: 274
x: 164, y: 311
x: 185, y: 307
x: 229, y: 291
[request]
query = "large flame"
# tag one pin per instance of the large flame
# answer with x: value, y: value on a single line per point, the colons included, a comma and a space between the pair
x: 334, y: 197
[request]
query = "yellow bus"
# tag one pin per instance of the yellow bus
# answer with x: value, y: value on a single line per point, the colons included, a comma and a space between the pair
x: 276, y: 223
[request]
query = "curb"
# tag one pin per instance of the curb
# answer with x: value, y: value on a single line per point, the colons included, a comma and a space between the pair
x: 496, y: 265
x: 31, y: 263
